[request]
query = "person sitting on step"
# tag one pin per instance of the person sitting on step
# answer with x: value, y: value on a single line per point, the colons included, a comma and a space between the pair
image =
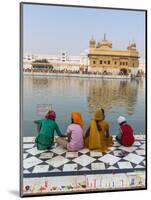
x: 97, y: 136
x: 126, y: 133
x: 74, y: 134
x: 47, y: 127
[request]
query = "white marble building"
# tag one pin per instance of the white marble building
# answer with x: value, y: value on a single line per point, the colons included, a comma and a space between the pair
x: 63, y: 58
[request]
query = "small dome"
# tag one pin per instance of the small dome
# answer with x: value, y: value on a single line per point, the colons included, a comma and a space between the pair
x: 132, y: 45
x: 92, y: 40
x: 92, y: 43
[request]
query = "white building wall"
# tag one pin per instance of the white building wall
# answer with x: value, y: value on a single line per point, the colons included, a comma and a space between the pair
x: 64, y: 57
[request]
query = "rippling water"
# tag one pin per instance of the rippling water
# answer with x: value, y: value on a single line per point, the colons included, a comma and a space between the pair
x: 117, y: 97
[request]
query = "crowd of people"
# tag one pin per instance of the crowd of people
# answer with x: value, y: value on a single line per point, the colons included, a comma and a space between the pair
x: 87, y: 72
x: 97, y: 136
x: 67, y: 71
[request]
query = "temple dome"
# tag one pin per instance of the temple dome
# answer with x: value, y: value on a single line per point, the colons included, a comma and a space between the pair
x: 132, y: 46
x: 105, y: 43
x: 92, y: 42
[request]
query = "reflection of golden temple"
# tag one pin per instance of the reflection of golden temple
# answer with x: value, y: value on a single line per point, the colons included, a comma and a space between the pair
x: 111, y: 93
x: 102, y: 55
x: 97, y: 93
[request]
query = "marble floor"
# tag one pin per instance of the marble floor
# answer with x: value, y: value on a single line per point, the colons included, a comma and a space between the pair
x: 59, y: 162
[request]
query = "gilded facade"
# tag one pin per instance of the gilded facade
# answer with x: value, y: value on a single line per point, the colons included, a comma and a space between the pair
x: 102, y: 55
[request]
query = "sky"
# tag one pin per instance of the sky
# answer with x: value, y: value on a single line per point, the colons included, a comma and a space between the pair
x: 52, y: 29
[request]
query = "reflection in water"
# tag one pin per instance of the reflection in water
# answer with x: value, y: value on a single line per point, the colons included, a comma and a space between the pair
x: 108, y: 94
x: 117, y: 97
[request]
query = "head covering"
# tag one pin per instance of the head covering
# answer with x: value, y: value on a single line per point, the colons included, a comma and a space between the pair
x: 77, y: 118
x: 98, y: 115
x: 51, y: 114
x: 96, y: 139
x: 121, y: 119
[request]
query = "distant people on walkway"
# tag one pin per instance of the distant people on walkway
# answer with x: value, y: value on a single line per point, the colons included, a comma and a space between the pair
x: 46, y: 129
x: 126, y: 133
x: 97, y: 136
x: 74, y: 134
x: 67, y: 71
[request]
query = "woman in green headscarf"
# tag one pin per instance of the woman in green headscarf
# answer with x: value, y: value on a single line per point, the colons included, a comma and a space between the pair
x: 47, y: 127
x: 97, y: 136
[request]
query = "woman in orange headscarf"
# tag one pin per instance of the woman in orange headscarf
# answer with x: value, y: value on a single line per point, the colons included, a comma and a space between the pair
x: 97, y: 136
x: 75, y: 134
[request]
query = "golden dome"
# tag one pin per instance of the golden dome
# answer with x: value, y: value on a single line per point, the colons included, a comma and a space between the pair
x: 105, y: 43
x: 132, y: 46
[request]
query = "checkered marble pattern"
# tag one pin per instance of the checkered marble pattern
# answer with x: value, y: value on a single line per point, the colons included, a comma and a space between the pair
x: 58, y: 161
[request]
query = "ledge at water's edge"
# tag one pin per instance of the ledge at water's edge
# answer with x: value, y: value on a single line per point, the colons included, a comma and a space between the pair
x: 80, y: 75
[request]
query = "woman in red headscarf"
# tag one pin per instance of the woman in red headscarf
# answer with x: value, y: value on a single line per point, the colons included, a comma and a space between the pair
x: 75, y: 134
x: 47, y: 127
